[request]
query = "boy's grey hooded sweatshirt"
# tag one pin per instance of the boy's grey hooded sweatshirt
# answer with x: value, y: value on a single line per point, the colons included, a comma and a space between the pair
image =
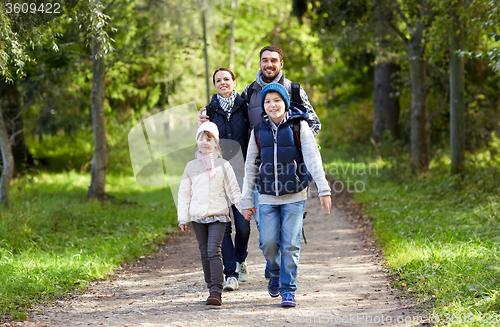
x: 312, y: 160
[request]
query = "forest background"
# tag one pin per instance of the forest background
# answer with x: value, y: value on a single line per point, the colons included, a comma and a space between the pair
x: 381, y: 74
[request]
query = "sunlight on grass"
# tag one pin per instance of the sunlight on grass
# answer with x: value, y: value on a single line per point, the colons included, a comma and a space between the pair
x: 439, y: 233
x: 54, y: 240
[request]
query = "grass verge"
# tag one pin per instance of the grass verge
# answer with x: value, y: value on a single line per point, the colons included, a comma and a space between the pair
x: 440, y: 234
x: 53, y: 240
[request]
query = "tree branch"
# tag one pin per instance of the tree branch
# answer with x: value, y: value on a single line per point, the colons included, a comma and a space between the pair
x: 401, y: 34
x: 403, y: 17
x: 13, y: 136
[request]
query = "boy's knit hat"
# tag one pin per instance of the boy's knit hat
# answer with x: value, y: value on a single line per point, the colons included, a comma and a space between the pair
x: 275, y: 87
x: 209, y: 127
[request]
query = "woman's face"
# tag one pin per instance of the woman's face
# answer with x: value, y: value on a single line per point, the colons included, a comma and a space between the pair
x: 274, y: 106
x: 224, y: 83
x: 205, y: 144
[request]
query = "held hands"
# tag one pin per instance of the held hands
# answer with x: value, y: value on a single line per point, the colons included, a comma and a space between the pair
x: 326, y: 201
x: 248, y: 213
x: 202, y: 116
x: 183, y: 228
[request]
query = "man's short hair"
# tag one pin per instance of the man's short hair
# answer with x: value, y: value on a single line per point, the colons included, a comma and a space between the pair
x: 271, y: 48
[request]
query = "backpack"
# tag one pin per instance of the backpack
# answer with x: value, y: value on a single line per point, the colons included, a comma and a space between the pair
x: 295, y: 93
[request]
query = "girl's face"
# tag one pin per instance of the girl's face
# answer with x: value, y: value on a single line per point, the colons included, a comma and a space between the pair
x: 224, y: 83
x: 274, y: 106
x: 205, y: 144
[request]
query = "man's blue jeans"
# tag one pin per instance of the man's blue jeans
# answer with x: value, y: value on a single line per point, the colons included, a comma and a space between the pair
x: 280, y: 228
x: 237, y: 251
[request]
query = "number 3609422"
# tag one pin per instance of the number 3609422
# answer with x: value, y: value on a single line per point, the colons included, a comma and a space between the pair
x: 33, y: 8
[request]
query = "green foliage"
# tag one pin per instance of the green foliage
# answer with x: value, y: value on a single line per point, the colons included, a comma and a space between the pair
x: 439, y: 233
x: 19, y: 32
x: 53, y: 241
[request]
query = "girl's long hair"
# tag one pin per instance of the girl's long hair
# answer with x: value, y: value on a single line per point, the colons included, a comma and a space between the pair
x: 210, y: 137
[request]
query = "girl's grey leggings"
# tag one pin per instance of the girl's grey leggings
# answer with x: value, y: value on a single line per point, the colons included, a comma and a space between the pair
x: 209, y: 238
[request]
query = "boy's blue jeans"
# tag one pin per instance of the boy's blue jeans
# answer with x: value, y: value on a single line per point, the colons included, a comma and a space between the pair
x: 280, y: 229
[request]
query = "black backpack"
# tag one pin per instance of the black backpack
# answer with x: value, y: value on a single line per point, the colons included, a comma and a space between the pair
x: 295, y: 92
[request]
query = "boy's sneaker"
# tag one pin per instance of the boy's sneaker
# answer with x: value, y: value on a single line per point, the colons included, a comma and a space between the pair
x: 288, y: 300
x: 242, y: 270
x: 273, y: 286
x: 231, y: 284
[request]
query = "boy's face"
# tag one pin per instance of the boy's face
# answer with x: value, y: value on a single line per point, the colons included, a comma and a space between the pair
x: 274, y: 106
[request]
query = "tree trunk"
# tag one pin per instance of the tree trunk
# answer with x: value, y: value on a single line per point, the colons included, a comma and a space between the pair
x: 420, y: 127
x: 7, y: 162
x: 457, y: 107
x: 14, y: 125
x: 234, y: 9
x: 385, y: 102
x: 205, y: 41
x: 101, y: 152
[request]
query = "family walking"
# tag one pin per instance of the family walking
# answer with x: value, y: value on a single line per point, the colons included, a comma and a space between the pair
x: 272, y: 126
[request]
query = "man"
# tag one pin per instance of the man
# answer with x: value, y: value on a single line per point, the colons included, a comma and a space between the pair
x: 271, y: 64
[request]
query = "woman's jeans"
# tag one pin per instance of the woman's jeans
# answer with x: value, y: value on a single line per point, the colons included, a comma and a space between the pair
x: 237, y: 252
x: 209, y: 238
x: 280, y: 228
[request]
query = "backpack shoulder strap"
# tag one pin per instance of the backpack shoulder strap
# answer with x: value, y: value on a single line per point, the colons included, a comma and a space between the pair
x: 249, y: 92
x: 256, y: 133
x: 296, y: 133
x: 296, y: 92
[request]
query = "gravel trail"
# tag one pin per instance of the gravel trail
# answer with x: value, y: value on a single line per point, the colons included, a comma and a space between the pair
x: 341, y: 282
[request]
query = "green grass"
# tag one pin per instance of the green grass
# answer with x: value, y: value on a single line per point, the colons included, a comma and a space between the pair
x: 440, y: 234
x: 53, y: 240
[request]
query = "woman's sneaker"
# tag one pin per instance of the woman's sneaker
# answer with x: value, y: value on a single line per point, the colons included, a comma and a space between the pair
x: 242, y: 270
x: 288, y: 300
x: 274, y: 286
x: 231, y: 284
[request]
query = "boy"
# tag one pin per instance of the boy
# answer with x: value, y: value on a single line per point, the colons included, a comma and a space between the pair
x: 280, y: 162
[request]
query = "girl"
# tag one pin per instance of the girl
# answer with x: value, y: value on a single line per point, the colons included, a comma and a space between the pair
x: 202, y: 199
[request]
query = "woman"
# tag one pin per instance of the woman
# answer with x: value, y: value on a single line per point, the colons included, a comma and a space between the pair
x: 228, y: 111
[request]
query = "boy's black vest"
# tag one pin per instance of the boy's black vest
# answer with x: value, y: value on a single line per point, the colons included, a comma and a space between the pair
x: 236, y: 128
x: 286, y: 173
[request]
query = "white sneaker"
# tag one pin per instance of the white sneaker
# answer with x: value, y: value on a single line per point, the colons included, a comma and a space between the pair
x: 242, y: 270
x: 231, y: 284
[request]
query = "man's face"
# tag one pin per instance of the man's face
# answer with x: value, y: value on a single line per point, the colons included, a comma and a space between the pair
x: 270, y: 65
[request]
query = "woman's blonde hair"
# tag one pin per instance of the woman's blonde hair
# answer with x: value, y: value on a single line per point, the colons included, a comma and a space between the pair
x: 210, y: 137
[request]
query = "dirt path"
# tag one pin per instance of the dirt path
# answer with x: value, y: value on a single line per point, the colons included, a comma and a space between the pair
x: 341, y: 282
